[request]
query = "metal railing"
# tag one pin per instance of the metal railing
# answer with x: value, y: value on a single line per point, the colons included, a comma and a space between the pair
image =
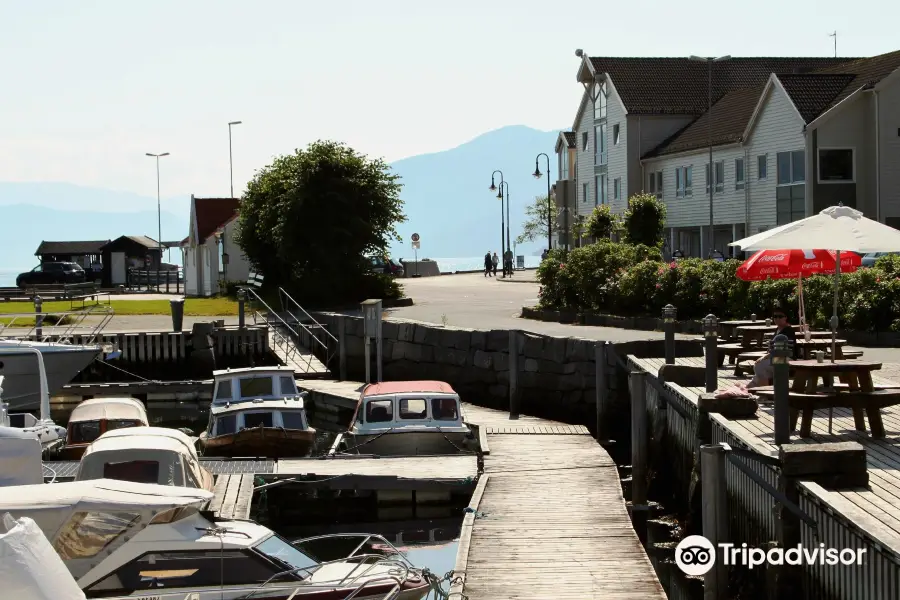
x: 57, y: 327
x: 325, y: 349
x: 163, y: 281
x: 284, y: 337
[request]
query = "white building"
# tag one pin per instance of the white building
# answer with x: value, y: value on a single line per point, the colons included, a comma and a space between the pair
x: 211, y: 253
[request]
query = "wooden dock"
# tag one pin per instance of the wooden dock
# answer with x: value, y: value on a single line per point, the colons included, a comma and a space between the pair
x: 233, y: 496
x: 549, y: 519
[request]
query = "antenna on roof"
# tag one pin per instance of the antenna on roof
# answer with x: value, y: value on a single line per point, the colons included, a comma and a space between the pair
x: 579, y: 53
x: 834, y: 35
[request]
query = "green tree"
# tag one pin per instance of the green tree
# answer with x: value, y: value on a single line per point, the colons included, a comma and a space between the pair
x: 535, y: 226
x: 308, y: 220
x: 602, y: 223
x: 645, y: 220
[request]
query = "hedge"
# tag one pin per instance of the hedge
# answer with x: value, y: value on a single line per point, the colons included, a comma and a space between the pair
x: 625, y: 279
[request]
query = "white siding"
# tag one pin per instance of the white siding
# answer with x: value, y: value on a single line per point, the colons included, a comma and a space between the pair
x: 889, y: 124
x: 853, y: 126
x: 644, y: 134
x: 778, y: 128
x: 238, y: 265
x: 585, y: 159
x: 617, y: 165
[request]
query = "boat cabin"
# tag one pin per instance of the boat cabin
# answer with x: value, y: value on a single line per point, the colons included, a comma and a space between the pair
x: 396, y: 404
x: 95, y: 416
x: 256, y: 397
x: 253, y: 383
x: 145, y: 455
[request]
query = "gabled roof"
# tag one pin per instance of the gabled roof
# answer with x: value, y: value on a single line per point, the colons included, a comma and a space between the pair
x: 571, y: 140
x: 866, y: 73
x: 213, y: 213
x: 812, y: 93
x: 566, y: 138
x: 74, y: 248
x: 678, y: 86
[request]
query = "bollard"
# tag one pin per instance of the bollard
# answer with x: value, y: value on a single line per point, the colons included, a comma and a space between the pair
x: 781, y: 350
x: 669, y: 329
x: 639, y: 453
x: 342, y: 347
x: 38, y: 318
x: 715, y: 516
x: 602, y: 392
x: 242, y: 300
x: 513, y: 372
x: 711, y: 339
x: 753, y: 317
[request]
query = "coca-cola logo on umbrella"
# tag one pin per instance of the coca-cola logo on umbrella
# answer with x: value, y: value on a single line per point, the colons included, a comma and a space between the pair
x: 768, y: 271
x: 772, y: 258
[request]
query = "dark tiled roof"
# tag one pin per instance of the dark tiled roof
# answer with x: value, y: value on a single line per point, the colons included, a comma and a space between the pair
x: 571, y: 140
x: 730, y: 116
x: 812, y: 93
x: 212, y: 213
x: 679, y: 85
x: 866, y: 71
x: 70, y: 248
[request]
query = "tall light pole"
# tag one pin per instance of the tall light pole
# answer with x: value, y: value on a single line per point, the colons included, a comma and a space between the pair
x: 537, y: 175
x: 230, y: 163
x: 508, y: 267
x: 158, y: 214
x: 709, y: 128
x: 493, y: 188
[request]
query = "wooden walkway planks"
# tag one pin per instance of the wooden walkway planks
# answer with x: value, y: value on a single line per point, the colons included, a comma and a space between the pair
x: 876, y: 509
x: 444, y: 469
x: 551, y: 521
x: 233, y: 496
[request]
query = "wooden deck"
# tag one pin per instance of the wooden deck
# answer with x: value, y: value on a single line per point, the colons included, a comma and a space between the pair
x: 233, y: 494
x: 549, y: 520
x: 876, y: 509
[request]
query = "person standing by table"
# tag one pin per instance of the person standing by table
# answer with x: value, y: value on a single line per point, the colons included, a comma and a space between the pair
x: 763, y: 371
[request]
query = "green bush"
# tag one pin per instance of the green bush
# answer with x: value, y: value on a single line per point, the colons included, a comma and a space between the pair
x: 645, y: 220
x: 602, y: 222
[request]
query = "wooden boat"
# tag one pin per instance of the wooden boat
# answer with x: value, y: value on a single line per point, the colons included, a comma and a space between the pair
x: 400, y: 418
x: 145, y: 455
x: 94, y: 417
x: 257, y: 412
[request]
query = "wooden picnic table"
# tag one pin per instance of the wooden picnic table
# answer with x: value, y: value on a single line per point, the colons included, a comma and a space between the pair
x: 727, y: 328
x: 808, y: 347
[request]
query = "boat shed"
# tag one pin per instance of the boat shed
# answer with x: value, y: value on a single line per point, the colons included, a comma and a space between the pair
x: 128, y: 252
x: 85, y: 253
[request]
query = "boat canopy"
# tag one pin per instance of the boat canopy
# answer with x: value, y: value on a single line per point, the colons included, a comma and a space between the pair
x: 253, y: 383
x: 407, y: 387
x: 120, y: 409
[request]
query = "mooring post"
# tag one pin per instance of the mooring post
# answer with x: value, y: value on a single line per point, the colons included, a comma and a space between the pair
x: 715, y: 516
x: 342, y: 346
x: 781, y: 350
x: 242, y: 300
x: 38, y: 318
x: 711, y: 339
x: 639, y: 453
x: 602, y: 392
x: 513, y: 372
x: 669, y: 329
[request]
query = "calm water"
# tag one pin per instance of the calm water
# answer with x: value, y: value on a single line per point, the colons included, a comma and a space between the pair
x: 8, y: 276
x: 449, y: 265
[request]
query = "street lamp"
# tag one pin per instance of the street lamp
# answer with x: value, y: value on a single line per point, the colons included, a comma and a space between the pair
x: 158, y: 213
x: 493, y: 188
x: 505, y: 184
x: 537, y: 175
x: 230, y: 164
x: 709, y: 61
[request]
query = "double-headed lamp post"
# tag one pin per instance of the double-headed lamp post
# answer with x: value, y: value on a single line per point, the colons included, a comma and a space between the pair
x: 493, y: 188
x: 709, y: 128
x: 508, y: 268
x: 537, y: 175
x: 158, y: 212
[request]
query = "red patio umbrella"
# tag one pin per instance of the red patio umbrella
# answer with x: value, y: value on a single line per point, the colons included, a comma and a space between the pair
x: 793, y: 264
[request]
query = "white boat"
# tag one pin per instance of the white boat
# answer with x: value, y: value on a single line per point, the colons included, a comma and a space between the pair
x: 123, y: 540
x: 62, y: 362
x: 145, y: 455
x: 95, y: 416
x: 49, y: 434
x: 257, y: 411
x: 400, y: 418
x: 20, y: 458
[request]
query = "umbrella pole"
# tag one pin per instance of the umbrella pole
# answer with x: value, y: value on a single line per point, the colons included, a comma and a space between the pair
x: 834, y: 316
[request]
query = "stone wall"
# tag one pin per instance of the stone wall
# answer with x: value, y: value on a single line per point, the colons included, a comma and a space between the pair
x: 556, y: 375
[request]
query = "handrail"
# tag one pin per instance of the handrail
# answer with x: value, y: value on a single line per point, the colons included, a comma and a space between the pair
x: 54, y: 335
x: 286, y: 343
x: 282, y: 291
x: 290, y: 306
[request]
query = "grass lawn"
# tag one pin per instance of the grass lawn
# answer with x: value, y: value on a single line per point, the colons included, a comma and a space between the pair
x: 193, y: 307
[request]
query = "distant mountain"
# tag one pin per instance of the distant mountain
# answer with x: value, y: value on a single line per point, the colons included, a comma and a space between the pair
x: 446, y: 200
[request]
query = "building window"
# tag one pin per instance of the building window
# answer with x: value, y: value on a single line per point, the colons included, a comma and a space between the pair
x: 617, y: 188
x: 762, y: 166
x: 683, y: 181
x: 688, y: 181
x: 739, y: 173
x: 655, y: 183
x: 584, y: 140
x: 600, y: 144
x: 791, y: 189
x: 720, y: 176
x: 584, y: 192
x: 600, y: 100
x: 836, y: 165
x: 679, y: 182
x: 564, y: 164
x: 616, y: 134
x: 791, y: 167
x: 600, y: 190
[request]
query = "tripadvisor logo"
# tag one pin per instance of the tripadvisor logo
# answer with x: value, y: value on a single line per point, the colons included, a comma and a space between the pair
x: 696, y: 555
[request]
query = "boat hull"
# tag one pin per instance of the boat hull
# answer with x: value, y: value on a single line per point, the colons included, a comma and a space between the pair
x: 21, y: 381
x: 271, y: 442
x: 412, y: 591
x: 408, y: 443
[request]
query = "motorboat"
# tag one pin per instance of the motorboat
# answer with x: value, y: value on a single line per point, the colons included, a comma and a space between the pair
x: 50, y: 435
x: 145, y: 455
x: 401, y: 418
x: 121, y: 540
x: 20, y: 458
x: 62, y: 362
x: 95, y: 416
x: 257, y: 411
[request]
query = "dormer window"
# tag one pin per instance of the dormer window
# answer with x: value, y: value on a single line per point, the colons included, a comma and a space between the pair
x: 600, y: 100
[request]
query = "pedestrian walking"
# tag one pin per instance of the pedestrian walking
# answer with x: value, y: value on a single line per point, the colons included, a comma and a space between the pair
x: 488, y: 264
x: 495, y: 260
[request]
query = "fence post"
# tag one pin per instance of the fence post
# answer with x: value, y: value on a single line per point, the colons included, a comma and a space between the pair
x: 242, y: 308
x: 781, y: 378
x: 168, y: 273
x: 639, y: 453
x: 711, y: 338
x: 513, y: 372
x: 602, y: 391
x: 715, y: 517
x: 38, y: 317
x: 669, y: 329
x: 342, y: 347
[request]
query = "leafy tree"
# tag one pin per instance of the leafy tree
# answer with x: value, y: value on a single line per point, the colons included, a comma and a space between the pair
x: 645, y: 220
x: 602, y: 223
x: 308, y: 220
x: 535, y: 226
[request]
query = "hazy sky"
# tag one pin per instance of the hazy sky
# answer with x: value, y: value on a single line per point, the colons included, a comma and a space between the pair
x: 89, y: 86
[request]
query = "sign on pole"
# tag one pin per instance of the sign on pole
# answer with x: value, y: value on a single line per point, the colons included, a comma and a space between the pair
x: 415, y: 237
x: 416, y: 245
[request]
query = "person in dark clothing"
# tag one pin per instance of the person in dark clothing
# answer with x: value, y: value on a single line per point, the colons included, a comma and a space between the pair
x: 762, y: 369
x: 488, y: 264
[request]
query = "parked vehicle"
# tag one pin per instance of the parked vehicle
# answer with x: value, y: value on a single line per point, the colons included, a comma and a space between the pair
x: 385, y: 266
x: 869, y: 259
x: 50, y: 273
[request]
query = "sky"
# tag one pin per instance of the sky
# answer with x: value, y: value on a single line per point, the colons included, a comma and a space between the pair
x: 88, y: 87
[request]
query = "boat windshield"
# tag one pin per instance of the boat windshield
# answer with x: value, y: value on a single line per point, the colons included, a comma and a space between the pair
x: 282, y: 552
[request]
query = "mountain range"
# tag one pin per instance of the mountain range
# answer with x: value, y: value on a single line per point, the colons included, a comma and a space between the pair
x: 446, y: 200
